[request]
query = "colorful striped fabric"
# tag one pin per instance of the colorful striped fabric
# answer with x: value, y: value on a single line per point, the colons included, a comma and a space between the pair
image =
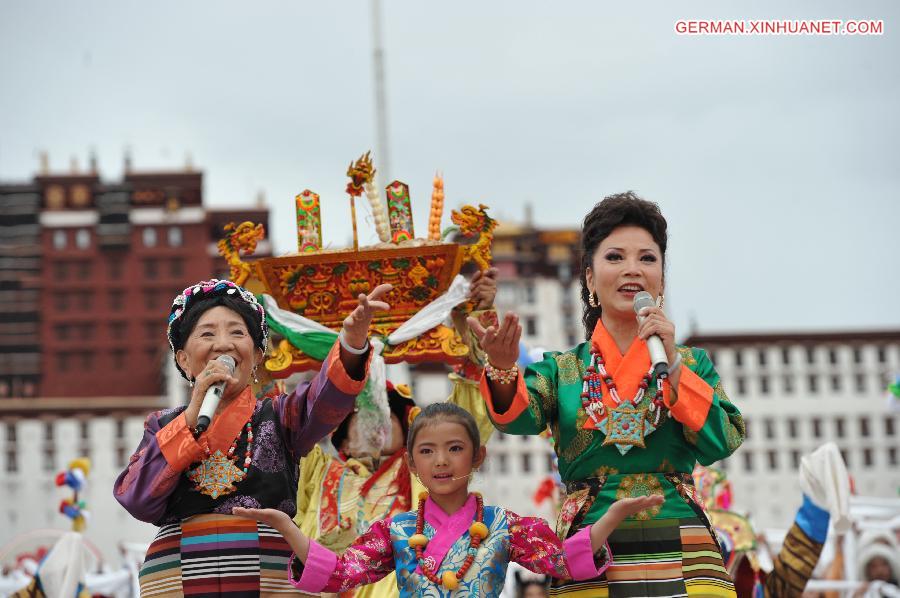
x: 685, y: 561
x: 216, y: 555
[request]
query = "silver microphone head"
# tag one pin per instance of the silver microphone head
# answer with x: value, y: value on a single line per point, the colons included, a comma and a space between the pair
x: 642, y: 300
x: 228, y: 361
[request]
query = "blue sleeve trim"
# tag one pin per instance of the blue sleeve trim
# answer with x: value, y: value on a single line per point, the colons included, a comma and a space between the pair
x: 813, y: 520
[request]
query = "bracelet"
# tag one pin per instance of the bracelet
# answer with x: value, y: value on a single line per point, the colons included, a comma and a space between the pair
x: 501, y: 376
x: 350, y: 349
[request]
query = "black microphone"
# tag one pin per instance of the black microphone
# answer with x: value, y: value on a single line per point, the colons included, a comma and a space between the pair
x: 213, y: 395
x: 654, y: 344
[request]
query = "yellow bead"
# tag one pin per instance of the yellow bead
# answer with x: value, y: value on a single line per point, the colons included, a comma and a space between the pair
x: 478, y: 530
x: 417, y: 540
x: 449, y: 581
x: 423, y: 496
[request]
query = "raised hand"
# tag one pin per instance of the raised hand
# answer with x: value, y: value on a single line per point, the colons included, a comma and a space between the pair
x: 483, y: 288
x: 656, y: 322
x: 356, y: 325
x: 501, y: 343
x: 628, y: 507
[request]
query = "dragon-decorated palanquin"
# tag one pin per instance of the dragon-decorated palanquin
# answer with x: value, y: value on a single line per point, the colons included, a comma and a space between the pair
x: 323, y: 284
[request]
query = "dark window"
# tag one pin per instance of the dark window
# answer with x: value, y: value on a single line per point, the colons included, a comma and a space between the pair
x: 85, y: 430
x: 118, y: 358
x: 176, y: 268
x: 773, y: 459
x: 860, y: 382
x: 48, y: 431
x: 62, y: 331
x: 526, y: 462
x: 832, y: 356
x: 864, y: 426
x: 550, y: 462
x: 889, y: 426
x: 748, y: 461
x: 764, y: 384
x: 117, y: 329
x: 120, y: 457
x: 529, y: 293
x: 761, y: 356
x: 62, y: 302
x: 857, y: 355
x: 769, y: 426
x: 738, y: 358
x: 84, y: 269
x: 882, y: 355
x: 892, y: 455
x: 788, y: 382
x: 845, y: 457
x: 839, y: 427
x: 12, y: 460
x: 85, y: 297
x: 525, y: 439
x: 816, y: 427
x: 795, y: 459
x: 530, y: 326
x: 747, y: 428
x: 500, y: 436
x: 62, y: 361
x: 867, y: 456
x: 10, y: 432
x: 792, y: 427
x: 502, y: 464
x: 150, y: 299
x: 120, y: 428
x: 115, y: 268
x: 810, y: 355
x: 150, y: 269
x: 87, y: 360
x: 60, y: 270
x: 812, y: 383
x: 835, y: 382
x: 49, y: 459
x: 741, y: 385
x: 116, y: 299
x: 785, y: 355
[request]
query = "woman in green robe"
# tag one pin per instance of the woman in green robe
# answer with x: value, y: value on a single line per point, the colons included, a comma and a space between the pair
x: 618, y: 430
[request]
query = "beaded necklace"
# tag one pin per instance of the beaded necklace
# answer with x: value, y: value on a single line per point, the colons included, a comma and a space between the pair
x: 624, y: 424
x: 216, y: 475
x: 477, y: 532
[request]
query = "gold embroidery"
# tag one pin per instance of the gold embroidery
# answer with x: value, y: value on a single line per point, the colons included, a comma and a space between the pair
x: 666, y: 467
x: 547, y: 391
x: 570, y: 368
x: 720, y: 391
x: 606, y: 470
x: 536, y: 410
x: 641, y: 484
x: 581, y: 441
x: 690, y: 435
x: 687, y: 356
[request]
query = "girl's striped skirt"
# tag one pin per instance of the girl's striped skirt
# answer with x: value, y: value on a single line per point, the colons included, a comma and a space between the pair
x: 655, y: 558
x: 216, y: 555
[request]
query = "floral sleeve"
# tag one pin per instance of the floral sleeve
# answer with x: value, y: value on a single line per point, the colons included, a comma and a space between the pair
x: 537, y: 548
x: 367, y: 560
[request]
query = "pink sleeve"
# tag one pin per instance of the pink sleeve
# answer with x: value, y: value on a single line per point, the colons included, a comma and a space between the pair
x: 537, y: 548
x: 366, y: 561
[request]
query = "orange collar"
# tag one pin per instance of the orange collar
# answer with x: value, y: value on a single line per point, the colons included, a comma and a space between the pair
x: 228, y: 423
x: 627, y: 370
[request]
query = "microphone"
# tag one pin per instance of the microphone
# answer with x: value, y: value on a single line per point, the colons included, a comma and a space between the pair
x: 654, y: 344
x: 213, y: 395
x: 463, y: 477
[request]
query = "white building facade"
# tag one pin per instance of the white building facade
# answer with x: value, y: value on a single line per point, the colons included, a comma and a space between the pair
x: 798, y: 391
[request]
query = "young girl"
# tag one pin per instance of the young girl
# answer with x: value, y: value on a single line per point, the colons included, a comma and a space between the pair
x: 453, y: 542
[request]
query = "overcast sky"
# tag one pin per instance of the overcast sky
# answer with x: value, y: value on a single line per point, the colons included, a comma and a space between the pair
x: 774, y: 159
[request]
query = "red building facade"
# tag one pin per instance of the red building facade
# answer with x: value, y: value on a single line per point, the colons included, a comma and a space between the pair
x: 110, y: 258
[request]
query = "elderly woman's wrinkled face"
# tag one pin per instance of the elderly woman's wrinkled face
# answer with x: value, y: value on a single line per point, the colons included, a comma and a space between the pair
x: 220, y: 331
x: 626, y: 262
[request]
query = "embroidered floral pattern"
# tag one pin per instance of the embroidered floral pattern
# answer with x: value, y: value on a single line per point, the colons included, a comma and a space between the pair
x: 641, y: 484
x: 267, y: 453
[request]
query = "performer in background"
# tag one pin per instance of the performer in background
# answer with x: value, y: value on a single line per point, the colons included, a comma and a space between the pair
x: 618, y: 431
x: 346, y: 487
x: 188, y: 482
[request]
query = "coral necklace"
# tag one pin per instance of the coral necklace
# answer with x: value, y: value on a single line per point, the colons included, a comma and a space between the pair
x: 592, y: 391
x: 477, y: 532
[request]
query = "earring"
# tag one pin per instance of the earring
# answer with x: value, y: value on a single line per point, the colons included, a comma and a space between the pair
x: 253, y: 373
x: 593, y: 300
x: 661, y: 301
x: 191, y: 382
